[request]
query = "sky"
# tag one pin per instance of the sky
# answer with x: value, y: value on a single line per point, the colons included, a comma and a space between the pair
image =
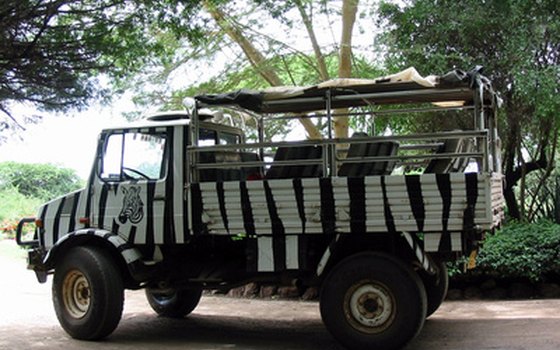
x: 64, y: 140
x: 70, y: 140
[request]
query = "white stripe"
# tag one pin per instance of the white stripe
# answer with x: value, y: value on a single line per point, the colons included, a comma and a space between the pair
x: 292, y: 252
x: 259, y: 206
x: 375, y: 204
x: 232, y: 199
x: 178, y: 190
x: 49, y: 218
x: 312, y: 205
x: 81, y: 210
x: 396, y: 189
x: 159, y: 212
x: 265, y: 256
x: 341, y: 196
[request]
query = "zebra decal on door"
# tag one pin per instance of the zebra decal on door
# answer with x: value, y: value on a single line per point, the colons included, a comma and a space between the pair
x: 133, y: 207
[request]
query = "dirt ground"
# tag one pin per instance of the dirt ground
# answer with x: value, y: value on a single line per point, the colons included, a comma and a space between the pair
x: 27, y: 321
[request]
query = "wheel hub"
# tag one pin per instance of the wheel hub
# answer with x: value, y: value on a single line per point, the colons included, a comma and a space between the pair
x: 76, y: 294
x: 370, y: 307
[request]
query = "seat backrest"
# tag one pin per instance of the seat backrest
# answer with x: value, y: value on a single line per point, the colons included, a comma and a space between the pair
x: 452, y: 164
x: 369, y: 149
x: 251, y: 173
x: 277, y: 171
x: 219, y: 174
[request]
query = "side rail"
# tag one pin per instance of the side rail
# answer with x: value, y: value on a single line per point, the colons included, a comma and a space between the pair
x: 357, y: 156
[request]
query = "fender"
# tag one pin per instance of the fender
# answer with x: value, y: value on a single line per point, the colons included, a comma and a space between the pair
x: 130, y: 255
x: 424, y: 260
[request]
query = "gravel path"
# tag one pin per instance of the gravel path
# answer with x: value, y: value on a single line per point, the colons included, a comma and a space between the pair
x: 27, y: 321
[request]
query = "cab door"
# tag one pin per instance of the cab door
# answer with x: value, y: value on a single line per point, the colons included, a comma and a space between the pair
x: 134, y: 187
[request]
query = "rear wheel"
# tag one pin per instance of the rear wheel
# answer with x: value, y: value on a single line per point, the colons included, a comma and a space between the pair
x: 88, y: 294
x: 436, y: 287
x: 173, y: 303
x: 373, y: 301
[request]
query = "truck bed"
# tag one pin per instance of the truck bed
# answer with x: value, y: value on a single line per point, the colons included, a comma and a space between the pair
x: 430, y: 204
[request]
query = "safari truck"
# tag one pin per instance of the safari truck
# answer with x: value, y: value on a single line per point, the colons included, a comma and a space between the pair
x: 200, y: 199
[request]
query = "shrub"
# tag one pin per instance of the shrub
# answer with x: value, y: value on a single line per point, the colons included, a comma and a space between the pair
x: 13, y: 207
x: 522, y: 251
x: 43, y: 181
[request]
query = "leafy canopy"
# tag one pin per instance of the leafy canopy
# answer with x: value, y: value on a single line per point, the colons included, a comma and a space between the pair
x: 41, y: 181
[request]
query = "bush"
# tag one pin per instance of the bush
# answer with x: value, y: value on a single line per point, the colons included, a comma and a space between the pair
x: 13, y: 207
x: 522, y: 251
x: 43, y: 181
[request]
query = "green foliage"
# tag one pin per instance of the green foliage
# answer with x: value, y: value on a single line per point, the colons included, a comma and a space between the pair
x: 522, y: 251
x: 51, y: 51
x: 13, y: 207
x: 40, y: 181
x: 517, y: 42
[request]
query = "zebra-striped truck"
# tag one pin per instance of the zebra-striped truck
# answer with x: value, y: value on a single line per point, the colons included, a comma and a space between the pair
x: 202, y: 199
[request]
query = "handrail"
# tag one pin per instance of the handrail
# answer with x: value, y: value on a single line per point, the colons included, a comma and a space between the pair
x: 333, y: 163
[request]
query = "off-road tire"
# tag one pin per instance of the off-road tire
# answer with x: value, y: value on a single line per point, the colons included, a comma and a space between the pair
x: 173, y: 303
x: 373, y: 301
x: 88, y: 293
x: 436, y: 287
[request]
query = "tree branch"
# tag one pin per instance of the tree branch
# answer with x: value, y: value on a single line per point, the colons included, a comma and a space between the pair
x: 323, y: 72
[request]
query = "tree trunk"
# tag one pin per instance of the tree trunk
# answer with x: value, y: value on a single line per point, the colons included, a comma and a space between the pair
x: 255, y: 57
x: 323, y: 72
x: 349, y: 9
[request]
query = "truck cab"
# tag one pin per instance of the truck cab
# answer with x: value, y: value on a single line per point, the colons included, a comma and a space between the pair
x: 188, y: 201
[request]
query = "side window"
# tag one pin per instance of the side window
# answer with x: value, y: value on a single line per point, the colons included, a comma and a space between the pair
x: 228, y: 139
x: 206, y: 137
x: 133, y: 156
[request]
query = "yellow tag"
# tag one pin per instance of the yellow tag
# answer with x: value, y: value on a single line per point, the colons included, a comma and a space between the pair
x: 472, y: 260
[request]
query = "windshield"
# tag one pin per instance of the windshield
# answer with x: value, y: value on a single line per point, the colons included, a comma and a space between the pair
x: 133, y: 156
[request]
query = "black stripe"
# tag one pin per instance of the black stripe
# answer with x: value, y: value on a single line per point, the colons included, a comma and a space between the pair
x: 471, y: 180
x: 197, y: 208
x: 302, y: 252
x: 92, y: 176
x: 56, y: 223
x: 42, y: 216
x: 327, y: 206
x: 357, y: 192
x: 132, y: 234
x: 169, y: 224
x: 115, y: 227
x: 246, y: 209
x: 150, y: 214
x: 389, y: 220
x: 414, y: 189
x: 102, y: 205
x: 222, y: 202
x: 444, y: 186
x: 252, y: 255
x: 298, y: 190
x: 72, y: 223
x: 278, y: 232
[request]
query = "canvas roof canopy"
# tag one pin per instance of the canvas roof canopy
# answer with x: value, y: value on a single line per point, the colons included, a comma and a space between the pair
x: 456, y: 87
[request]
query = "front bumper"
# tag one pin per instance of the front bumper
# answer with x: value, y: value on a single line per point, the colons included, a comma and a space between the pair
x: 35, y: 259
x: 36, y: 254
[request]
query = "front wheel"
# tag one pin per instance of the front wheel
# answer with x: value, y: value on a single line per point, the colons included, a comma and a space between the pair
x: 88, y: 293
x: 173, y: 303
x: 373, y: 301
